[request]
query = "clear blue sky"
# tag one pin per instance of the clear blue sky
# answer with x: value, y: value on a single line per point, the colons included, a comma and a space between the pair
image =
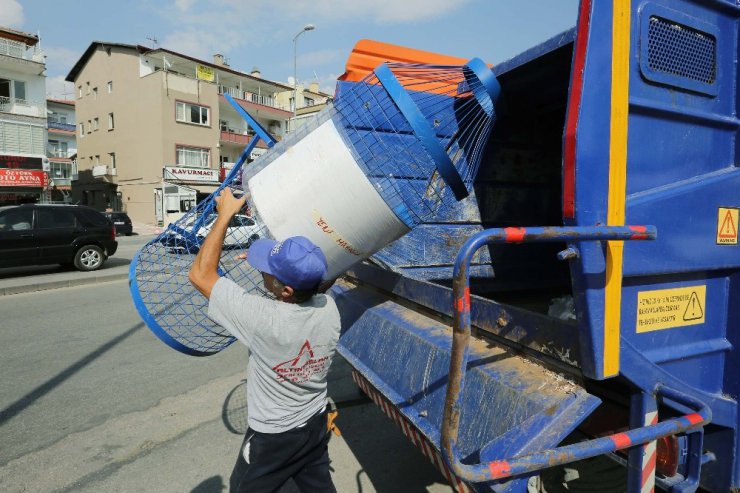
x: 260, y: 32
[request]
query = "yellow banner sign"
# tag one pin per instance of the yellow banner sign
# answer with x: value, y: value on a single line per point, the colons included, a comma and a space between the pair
x: 205, y: 73
x: 669, y: 308
x: 727, y: 225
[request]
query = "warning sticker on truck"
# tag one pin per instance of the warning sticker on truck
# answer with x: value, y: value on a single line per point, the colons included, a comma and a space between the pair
x: 727, y: 225
x: 669, y: 308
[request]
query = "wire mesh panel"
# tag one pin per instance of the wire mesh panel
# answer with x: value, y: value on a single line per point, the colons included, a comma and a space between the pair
x: 681, y: 51
x: 394, y: 148
x: 164, y: 296
x: 456, y: 106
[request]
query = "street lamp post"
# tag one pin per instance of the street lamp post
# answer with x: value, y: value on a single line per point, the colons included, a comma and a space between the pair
x: 307, y: 27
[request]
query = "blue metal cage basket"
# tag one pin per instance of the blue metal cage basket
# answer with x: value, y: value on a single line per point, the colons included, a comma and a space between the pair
x: 416, y: 132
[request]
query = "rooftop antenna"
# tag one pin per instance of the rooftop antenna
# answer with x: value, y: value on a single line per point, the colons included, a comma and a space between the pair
x: 154, y: 40
x: 67, y: 91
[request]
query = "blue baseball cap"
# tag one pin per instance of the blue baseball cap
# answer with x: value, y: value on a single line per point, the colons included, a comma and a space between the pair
x: 296, y: 261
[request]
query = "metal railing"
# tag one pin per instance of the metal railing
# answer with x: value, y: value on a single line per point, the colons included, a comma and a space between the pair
x: 232, y: 91
x: 251, y: 97
x: 61, y: 182
x: 22, y: 106
x: 5, y: 103
x: 61, y: 126
x: 13, y: 48
x: 514, y: 466
x: 54, y: 152
x: 60, y: 152
x: 263, y: 100
x: 103, y: 170
x: 16, y: 49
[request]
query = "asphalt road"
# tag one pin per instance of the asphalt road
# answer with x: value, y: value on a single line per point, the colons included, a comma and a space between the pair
x: 91, y: 401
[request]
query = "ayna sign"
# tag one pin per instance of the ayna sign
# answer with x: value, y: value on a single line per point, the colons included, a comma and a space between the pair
x: 23, y: 178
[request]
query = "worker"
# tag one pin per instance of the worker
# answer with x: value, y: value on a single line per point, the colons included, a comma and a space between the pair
x: 292, y: 340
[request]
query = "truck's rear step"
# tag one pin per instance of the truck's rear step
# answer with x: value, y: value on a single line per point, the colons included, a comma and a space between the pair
x: 511, y: 405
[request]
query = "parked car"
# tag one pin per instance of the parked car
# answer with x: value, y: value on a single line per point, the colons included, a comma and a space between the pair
x: 74, y: 235
x: 242, y: 231
x: 121, y: 221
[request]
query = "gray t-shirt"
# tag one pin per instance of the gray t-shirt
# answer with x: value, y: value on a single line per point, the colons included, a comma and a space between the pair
x: 291, y: 347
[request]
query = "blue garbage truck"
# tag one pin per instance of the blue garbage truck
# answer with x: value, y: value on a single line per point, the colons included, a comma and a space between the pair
x: 584, y: 300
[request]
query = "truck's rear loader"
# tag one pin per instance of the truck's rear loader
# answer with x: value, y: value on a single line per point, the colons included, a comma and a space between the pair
x: 596, y: 266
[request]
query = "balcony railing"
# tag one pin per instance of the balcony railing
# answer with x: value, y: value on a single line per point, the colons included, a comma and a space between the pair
x: 242, y: 139
x: 16, y: 49
x: 251, y: 97
x: 54, y: 152
x: 12, y: 48
x: 70, y: 127
x: 263, y: 100
x: 231, y: 91
x: 22, y: 107
x: 103, y: 170
x: 62, y: 182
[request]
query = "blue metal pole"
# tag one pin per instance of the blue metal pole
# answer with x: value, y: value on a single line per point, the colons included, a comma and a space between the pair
x: 501, y: 469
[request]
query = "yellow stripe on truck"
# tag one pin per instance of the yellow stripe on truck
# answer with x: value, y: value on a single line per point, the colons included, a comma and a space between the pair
x: 617, y: 181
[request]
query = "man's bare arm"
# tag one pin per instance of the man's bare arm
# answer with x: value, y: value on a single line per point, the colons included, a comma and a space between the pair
x: 204, y: 272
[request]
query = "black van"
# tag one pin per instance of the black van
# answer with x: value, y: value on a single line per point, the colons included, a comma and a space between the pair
x: 121, y: 221
x: 34, y: 234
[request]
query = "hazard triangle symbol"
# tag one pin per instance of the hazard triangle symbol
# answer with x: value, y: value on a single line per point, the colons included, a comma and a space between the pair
x: 693, y: 309
x: 728, y: 228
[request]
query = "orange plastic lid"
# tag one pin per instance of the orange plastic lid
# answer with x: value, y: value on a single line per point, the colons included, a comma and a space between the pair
x: 368, y: 54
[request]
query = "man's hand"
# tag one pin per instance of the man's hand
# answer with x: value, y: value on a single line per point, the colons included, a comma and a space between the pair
x: 204, y: 273
x: 228, y: 205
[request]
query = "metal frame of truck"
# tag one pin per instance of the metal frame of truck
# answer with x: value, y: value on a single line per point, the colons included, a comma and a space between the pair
x: 629, y: 119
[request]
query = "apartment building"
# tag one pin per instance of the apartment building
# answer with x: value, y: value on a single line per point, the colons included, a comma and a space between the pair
x: 154, y: 131
x: 23, y: 163
x: 61, y: 148
x: 311, y: 100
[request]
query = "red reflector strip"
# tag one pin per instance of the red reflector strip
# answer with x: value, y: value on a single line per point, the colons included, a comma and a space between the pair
x: 621, y: 440
x: 463, y: 303
x: 499, y: 469
x: 639, y: 232
x: 694, y: 418
x: 515, y: 235
x: 574, y: 104
x: 648, y: 473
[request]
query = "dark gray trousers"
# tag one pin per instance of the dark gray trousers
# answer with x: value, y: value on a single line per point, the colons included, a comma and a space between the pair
x: 301, y: 453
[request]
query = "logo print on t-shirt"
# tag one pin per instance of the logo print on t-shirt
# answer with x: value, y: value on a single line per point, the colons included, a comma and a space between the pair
x: 302, y: 367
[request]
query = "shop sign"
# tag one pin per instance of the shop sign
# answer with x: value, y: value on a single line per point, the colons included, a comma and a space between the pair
x: 20, y: 162
x: 257, y: 152
x: 206, y: 175
x: 23, y: 178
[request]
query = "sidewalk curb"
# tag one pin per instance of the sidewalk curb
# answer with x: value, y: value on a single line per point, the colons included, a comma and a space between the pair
x: 44, y: 286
